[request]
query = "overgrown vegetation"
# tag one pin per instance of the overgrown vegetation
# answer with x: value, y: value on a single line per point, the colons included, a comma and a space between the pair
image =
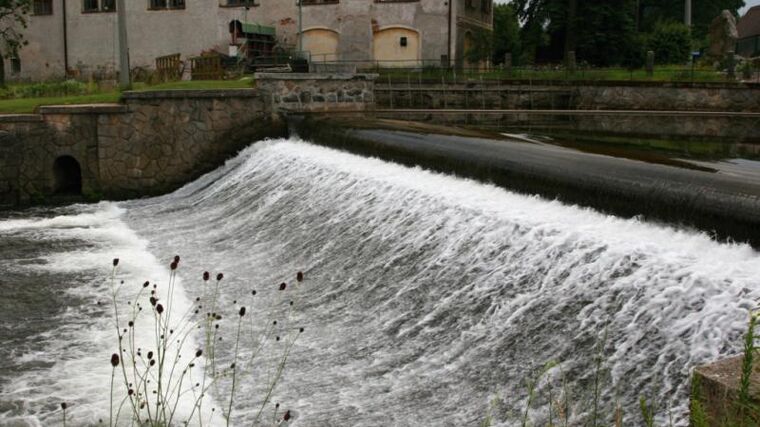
x: 26, y: 97
x: 151, y: 377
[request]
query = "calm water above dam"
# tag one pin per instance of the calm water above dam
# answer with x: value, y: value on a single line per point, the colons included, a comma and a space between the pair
x: 427, y: 296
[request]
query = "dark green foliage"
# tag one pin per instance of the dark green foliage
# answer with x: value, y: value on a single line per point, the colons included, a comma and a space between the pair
x: 671, y: 43
x: 482, y: 46
x: 506, y: 32
x: 612, y: 32
x: 13, y: 20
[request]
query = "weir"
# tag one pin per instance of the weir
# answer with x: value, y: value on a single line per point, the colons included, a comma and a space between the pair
x: 426, y: 290
x: 422, y: 290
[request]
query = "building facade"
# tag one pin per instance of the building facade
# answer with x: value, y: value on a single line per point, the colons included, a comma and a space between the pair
x: 79, y: 37
x: 748, y: 27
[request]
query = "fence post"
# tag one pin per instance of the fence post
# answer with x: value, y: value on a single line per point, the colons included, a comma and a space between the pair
x: 570, y: 62
x: 650, y: 63
x: 731, y: 59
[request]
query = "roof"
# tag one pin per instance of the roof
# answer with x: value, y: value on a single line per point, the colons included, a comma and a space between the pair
x: 749, y: 24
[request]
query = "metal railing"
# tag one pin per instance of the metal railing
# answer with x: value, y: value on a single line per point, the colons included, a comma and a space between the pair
x: 432, y: 70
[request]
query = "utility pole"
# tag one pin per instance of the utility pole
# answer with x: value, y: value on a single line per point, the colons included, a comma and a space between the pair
x: 124, y: 78
x: 687, y: 13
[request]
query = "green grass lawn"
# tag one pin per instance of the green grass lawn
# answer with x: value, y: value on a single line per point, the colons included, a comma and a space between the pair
x: 29, y: 104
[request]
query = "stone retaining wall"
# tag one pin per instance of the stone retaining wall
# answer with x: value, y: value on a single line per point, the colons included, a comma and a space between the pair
x: 317, y: 92
x: 568, y: 95
x: 151, y: 144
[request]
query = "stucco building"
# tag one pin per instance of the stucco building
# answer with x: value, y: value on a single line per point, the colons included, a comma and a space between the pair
x: 80, y: 36
x: 749, y: 33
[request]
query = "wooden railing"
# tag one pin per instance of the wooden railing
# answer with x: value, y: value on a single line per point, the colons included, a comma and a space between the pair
x: 206, y: 68
x: 169, y: 67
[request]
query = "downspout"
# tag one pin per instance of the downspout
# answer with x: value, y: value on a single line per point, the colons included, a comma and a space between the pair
x: 65, y: 42
x: 449, y: 45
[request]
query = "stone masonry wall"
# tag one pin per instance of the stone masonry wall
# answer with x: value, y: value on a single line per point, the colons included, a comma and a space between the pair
x: 317, y: 92
x: 151, y: 144
x: 562, y: 95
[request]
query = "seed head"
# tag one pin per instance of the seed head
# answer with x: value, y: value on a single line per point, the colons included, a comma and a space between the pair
x: 173, y: 265
x: 150, y: 355
x: 153, y: 301
x: 198, y: 353
x: 131, y: 323
x: 242, y: 311
x: 299, y: 276
x: 64, y: 405
x: 286, y: 417
x: 146, y: 284
x: 115, y: 262
x: 152, y: 362
x: 114, y: 360
x: 253, y: 292
x: 159, y: 308
x: 283, y: 285
x: 301, y: 330
x: 130, y: 392
x: 219, y: 276
x: 206, y: 275
x: 176, y: 259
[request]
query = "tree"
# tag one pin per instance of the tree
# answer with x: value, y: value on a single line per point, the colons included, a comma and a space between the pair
x: 654, y: 12
x: 13, y: 19
x: 599, y: 31
x: 506, y: 32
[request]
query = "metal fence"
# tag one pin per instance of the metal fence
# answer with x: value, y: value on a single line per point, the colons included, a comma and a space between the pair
x: 435, y: 70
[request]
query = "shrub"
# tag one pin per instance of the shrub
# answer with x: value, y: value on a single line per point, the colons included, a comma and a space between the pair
x: 671, y: 43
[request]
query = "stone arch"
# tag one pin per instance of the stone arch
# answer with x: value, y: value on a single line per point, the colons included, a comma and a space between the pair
x: 397, y: 46
x: 321, y: 43
x: 67, y: 174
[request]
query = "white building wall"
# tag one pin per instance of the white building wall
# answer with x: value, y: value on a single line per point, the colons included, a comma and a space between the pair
x: 203, y: 25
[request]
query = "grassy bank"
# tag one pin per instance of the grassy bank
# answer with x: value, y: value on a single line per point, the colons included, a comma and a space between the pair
x: 25, y: 98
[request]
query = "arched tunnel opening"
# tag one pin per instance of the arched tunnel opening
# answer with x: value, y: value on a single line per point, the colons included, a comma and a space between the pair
x: 68, y: 176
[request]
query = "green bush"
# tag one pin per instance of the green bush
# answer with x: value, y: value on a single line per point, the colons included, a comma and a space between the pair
x: 671, y: 43
x: 48, y: 89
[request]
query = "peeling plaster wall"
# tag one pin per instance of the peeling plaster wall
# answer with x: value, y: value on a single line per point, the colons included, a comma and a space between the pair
x: 203, y: 25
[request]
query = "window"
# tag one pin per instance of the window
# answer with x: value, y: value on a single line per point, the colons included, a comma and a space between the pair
x: 15, y: 66
x: 396, y: 1
x: 42, y: 7
x: 404, y: 42
x: 166, y: 4
x: 485, y: 6
x: 240, y: 3
x: 91, y: 6
x: 316, y: 2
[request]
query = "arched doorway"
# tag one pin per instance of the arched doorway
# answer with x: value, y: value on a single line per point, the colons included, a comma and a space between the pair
x: 321, y: 43
x: 396, y: 46
x: 68, y: 176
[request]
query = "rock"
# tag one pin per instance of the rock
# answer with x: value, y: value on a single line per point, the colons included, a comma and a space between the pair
x: 723, y: 35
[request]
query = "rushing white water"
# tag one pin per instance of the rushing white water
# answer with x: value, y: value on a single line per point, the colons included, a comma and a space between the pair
x: 426, y: 295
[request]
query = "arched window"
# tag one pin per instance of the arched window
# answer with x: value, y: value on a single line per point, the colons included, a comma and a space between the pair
x: 68, y: 176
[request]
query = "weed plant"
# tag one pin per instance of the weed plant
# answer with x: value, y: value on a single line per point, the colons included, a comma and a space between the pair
x: 151, y: 380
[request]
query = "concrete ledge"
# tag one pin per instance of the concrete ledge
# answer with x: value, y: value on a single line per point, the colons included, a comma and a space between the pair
x: 314, y: 76
x: 20, y: 118
x: 717, y: 389
x: 83, y: 109
x: 190, y: 93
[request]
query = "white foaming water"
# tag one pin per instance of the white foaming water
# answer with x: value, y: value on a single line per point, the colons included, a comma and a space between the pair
x: 426, y: 295
x: 71, y: 356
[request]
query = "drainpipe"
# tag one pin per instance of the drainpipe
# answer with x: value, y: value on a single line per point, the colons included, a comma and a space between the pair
x: 449, y: 46
x: 300, y: 27
x: 65, y: 42
x: 687, y: 13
